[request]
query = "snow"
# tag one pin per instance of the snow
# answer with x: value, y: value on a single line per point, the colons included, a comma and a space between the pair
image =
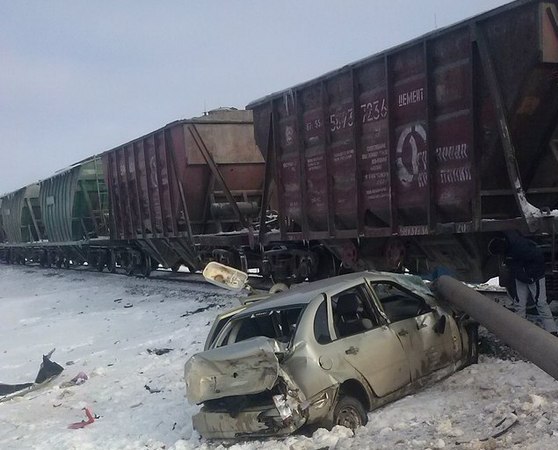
x: 83, y: 315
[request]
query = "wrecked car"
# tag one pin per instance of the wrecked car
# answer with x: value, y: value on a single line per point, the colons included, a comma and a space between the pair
x: 324, y: 354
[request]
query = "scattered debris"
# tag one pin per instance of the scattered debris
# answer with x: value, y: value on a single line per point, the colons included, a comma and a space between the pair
x: 80, y: 378
x: 70, y: 363
x: 117, y: 300
x: 65, y: 393
x: 151, y: 390
x: 128, y: 305
x: 159, y: 351
x: 90, y: 419
x: 491, y: 345
x: 52, y: 274
x: 501, y: 427
x: 47, y: 372
x: 199, y: 310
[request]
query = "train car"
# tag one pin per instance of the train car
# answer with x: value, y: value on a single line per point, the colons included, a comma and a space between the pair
x: 187, y: 193
x: 416, y: 156
x: 52, y: 222
x: 21, y: 215
x: 21, y: 220
x: 184, y: 194
x: 2, y: 233
x: 75, y: 210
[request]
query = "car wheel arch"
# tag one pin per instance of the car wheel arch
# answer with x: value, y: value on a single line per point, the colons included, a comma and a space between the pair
x: 352, y: 389
x: 355, y: 388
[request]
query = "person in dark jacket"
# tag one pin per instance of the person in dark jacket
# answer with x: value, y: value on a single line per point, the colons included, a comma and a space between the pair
x: 526, y: 263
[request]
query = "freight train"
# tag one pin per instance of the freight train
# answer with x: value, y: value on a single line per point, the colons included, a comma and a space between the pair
x: 411, y: 159
x: 181, y: 195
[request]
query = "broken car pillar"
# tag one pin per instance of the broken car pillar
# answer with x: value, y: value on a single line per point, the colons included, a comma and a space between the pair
x: 532, y: 342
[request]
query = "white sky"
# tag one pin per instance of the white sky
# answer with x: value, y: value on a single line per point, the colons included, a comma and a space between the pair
x: 78, y: 77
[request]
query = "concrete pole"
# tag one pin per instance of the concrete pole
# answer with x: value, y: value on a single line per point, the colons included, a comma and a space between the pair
x: 531, y: 341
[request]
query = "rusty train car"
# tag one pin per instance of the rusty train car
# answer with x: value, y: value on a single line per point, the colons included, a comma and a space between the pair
x: 417, y: 156
x: 413, y: 158
x: 183, y: 194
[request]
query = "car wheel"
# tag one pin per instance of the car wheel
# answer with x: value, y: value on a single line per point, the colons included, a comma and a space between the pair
x: 349, y: 413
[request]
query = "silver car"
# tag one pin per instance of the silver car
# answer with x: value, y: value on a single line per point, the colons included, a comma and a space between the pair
x: 323, y: 354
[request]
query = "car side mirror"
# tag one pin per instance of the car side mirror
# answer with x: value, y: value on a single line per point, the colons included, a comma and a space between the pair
x: 225, y: 276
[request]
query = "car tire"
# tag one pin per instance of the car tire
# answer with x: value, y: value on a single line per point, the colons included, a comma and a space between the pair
x: 348, y: 412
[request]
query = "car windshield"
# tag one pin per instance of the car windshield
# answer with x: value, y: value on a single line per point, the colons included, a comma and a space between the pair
x: 277, y: 323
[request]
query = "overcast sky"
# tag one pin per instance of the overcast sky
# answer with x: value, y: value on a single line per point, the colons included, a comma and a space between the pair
x: 78, y: 77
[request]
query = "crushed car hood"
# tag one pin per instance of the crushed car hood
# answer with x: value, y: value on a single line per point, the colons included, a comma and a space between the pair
x: 243, y: 368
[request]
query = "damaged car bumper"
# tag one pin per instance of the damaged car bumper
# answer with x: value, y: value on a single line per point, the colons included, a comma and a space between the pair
x: 260, y: 422
x: 282, y: 417
x: 244, y: 391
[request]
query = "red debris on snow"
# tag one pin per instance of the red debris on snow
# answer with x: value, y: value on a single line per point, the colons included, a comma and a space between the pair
x: 83, y: 423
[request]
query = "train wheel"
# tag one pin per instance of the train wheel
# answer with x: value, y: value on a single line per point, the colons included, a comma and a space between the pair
x: 43, y: 259
x: 278, y: 287
x: 66, y: 263
x: 394, y: 254
x: 145, y: 268
x: 100, y: 262
x: 175, y: 268
x: 111, y: 263
x: 327, y: 265
x: 154, y: 264
x: 127, y: 263
x: 129, y: 268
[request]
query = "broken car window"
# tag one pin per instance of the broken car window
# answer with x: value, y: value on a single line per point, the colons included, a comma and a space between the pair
x: 279, y: 324
x: 352, y: 312
x: 399, y: 304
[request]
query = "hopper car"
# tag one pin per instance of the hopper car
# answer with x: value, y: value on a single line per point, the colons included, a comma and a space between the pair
x: 418, y: 156
x: 181, y: 195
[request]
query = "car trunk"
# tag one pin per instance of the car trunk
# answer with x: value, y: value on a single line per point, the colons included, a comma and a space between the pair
x: 244, y: 368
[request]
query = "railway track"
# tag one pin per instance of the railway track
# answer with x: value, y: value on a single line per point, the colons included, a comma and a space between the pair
x: 495, y: 293
x: 256, y: 281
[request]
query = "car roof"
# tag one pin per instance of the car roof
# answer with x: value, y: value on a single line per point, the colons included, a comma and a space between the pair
x: 304, y: 293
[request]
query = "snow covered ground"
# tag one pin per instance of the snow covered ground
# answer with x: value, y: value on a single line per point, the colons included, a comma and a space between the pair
x: 106, y: 325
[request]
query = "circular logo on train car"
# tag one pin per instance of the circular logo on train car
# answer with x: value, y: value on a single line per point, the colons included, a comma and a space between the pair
x: 411, y: 153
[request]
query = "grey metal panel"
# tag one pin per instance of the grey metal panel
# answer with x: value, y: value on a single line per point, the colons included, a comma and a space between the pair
x: 57, y: 200
x: 11, y: 210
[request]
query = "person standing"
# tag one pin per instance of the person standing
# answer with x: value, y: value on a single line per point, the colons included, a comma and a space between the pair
x: 527, y: 267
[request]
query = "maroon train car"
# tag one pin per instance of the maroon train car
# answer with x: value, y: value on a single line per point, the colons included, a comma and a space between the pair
x: 189, y: 187
x: 416, y: 156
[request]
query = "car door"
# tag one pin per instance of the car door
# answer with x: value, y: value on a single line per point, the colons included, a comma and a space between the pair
x: 419, y: 328
x: 360, y: 338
